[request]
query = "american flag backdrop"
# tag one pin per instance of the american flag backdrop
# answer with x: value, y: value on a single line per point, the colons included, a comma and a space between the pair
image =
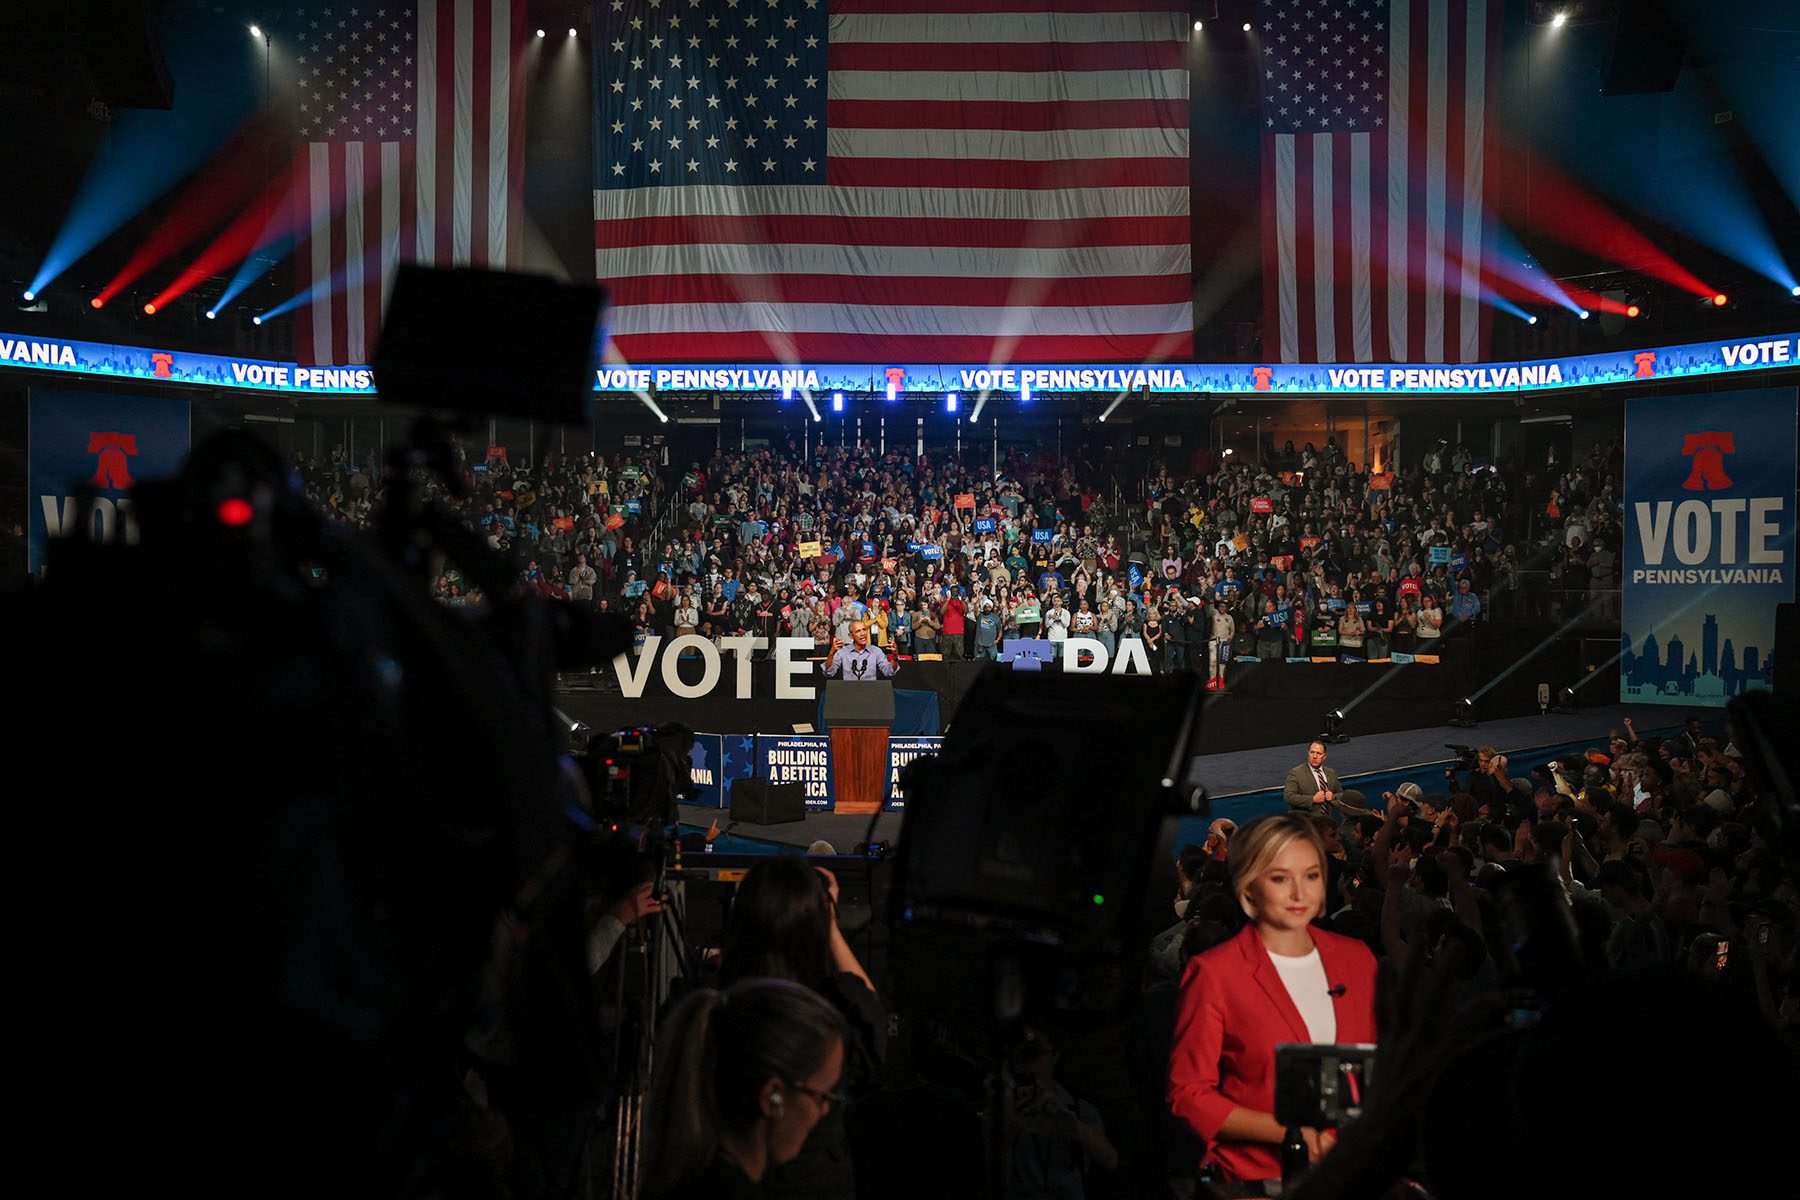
x: 1376, y: 137
x: 411, y: 124
x: 888, y: 180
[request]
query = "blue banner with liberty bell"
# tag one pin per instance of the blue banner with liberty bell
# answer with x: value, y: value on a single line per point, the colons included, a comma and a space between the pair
x: 1709, y: 543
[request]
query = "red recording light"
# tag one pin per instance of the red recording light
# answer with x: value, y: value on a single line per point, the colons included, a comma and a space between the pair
x: 1632, y: 310
x: 236, y: 512
x: 1719, y: 300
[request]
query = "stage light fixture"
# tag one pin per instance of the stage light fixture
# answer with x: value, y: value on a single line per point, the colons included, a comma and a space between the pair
x: 540, y: 33
x: 1334, y: 727
x: 571, y: 31
x: 787, y: 393
x: 1531, y: 320
x: 891, y: 392
x: 96, y: 302
x: 951, y: 401
x: 1024, y: 393
x: 1566, y: 703
x: 235, y: 511
x: 1559, y: 20
x: 31, y: 295
x: 1720, y: 299
x: 211, y: 315
x: 149, y: 310
x: 256, y: 320
x: 1795, y: 291
x: 1632, y: 310
x: 1583, y: 314
x: 837, y: 402
x: 256, y: 31
x: 1246, y: 27
x: 1462, y: 713
x: 1199, y: 25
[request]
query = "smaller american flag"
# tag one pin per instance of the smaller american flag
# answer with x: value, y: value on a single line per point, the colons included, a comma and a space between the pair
x: 410, y: 123
x: 1375, y: 139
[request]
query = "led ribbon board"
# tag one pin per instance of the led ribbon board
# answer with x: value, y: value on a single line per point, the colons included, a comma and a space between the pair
x: 99, y: 359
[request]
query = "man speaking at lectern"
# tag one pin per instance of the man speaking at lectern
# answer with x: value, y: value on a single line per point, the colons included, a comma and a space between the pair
x: 859, y: 660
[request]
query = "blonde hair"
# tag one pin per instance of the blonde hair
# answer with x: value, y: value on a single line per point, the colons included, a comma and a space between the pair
x: 1258, y: 844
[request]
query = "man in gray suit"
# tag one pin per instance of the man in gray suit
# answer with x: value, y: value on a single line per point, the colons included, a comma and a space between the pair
x: 1312, y: 786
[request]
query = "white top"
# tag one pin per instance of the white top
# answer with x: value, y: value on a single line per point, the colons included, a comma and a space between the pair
x: 1304, y: 978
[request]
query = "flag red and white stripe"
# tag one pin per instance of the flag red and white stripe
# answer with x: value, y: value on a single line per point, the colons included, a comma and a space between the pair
x: 419, y: 158
x: 1375, y: 225
x: 1003, y: 179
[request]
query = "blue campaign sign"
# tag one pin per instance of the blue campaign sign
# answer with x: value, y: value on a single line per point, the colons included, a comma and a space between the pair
x: 1041, y: 537
x: 706, y: 768
x: 984, y: 524
x: 111, y: 442
x: 1439, y: 554
x: 797, y: 758
x: 902, y: 750
x: 914, y: 547
x: 1459, y: 562
x: 1709, y: 543
x: 931, y: 551
x: 1135, y: 574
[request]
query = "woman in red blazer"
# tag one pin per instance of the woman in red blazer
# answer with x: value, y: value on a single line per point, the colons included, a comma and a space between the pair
x: 1281, y: 979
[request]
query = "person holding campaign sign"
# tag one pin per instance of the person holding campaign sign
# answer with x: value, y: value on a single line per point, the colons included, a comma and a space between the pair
x: 859, y: 660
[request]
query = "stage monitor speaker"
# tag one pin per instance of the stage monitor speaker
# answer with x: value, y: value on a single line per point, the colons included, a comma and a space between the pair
x: 1647, y: 50
x: 759, y: 802
x: 125, y: 55
x: 1787, y: 651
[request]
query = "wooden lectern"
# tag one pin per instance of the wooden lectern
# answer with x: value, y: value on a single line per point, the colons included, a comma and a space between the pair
x: 859, y: 713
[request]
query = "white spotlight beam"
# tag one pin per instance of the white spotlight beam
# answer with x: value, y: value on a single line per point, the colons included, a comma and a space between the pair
x: 650, y: 403
x: 812, y: 408
x: 1117, y: 400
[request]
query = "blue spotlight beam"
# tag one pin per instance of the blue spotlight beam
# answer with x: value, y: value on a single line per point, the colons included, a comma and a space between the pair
x: 220, y: 80
x: 259, y: 263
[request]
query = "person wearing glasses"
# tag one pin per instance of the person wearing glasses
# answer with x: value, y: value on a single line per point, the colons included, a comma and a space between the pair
x: 745, y: 1078
x: 783, y: 925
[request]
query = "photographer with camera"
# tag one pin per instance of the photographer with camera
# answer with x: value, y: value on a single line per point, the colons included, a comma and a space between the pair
x: 1281, y: 979
x: 784, y: 926
x: 1486, y: 780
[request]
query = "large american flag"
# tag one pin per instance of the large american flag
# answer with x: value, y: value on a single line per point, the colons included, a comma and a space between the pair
x: 1376, y: 118
x: 411, y: 123
x: 893, y: 180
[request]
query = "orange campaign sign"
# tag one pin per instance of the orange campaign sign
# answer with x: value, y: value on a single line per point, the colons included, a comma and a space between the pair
x: 494, y: 452
x: 965, y: 500
x: 1307, y: 543
x: 1261, y: 504
x: 1382, y: 482
x: 810, y: 550
x: 614, y: 520
x: 563, y: 523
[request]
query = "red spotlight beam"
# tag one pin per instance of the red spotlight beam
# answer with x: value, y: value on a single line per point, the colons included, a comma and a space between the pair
x: 1566, y: 212
x: 219, y: 187
x: 238, y: 239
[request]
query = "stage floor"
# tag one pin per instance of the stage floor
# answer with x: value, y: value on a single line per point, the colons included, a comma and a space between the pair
x: 1246, y: 783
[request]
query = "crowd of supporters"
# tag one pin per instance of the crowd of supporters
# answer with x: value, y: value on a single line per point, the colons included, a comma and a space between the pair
x: 1306, y: 555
